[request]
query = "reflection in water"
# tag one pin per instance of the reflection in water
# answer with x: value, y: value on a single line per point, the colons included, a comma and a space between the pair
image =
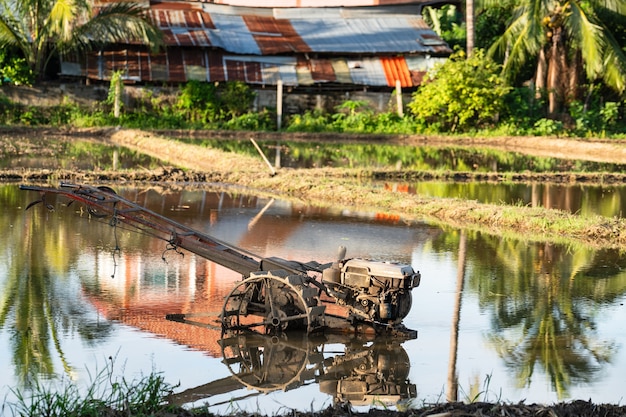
x: 542, y: 301
x: 427, y: 158
x: 75, y: 155
x: 37, y: 303
x: 453, y: 378
x: 367, y: 372
x: 549, y: 316
x: 583, y: 199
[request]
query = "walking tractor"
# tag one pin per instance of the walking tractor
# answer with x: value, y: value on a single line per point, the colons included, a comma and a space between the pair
x: 275, y: 295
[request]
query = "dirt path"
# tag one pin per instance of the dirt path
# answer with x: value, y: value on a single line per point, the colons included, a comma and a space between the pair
x: 595, y: 150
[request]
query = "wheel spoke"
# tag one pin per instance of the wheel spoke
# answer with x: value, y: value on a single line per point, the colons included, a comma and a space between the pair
x: 273, y: 302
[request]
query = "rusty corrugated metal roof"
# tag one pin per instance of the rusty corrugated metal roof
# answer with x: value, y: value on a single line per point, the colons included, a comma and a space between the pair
x: 372, y: 46
x: 245, y: 30
x: 324, y: 3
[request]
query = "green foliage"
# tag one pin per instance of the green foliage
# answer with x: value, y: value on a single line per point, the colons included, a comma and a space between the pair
x: 461, y: 94
x: 483, y: 106
x: 199, y: 101
x: 116, y: 90
x: 352, y: 116
x: 547, y: 127
x: 255, y: 121
x: 14, y: 70
x: 594, y: 121
x: 14, y: 114
x: 236, y: 98
x: 106, y: 395
x: 210, y: 103
x: 447, y: 21
x: 490, y: 22
x: 309, y: 121
x: 570, y: 39
x: 522, y: 109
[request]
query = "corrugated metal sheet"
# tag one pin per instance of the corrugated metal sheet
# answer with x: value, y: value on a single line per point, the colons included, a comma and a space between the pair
x: 245, y: 30
x: 396, y: 69
x: 320, y: 3
x: 209, y: 42
x: 184, y: 64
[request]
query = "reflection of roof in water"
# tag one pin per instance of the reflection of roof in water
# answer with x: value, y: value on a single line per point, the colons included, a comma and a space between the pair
x: 137, y: 302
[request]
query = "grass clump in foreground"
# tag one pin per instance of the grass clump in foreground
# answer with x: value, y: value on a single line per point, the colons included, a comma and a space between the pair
x: 105, y: 396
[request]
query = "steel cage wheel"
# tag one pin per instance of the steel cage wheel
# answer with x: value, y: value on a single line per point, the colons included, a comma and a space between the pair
x: 270, y: 303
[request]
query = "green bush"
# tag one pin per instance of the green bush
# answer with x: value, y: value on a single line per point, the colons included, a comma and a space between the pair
x: 199, y: 102
x: 211, y: 103
x: 311, y: 121
x: 256, y: 121
x: 547, y: 127
x: 14, y: 70
x: 461, y: 94
x: 236, y: 98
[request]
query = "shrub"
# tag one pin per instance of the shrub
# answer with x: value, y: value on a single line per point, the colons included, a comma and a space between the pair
x: 461, y: 94
x: 257, y: 121
x: 236, y: 98
x: 199, y: 102
x: 310, y: 121
x: 210, y: 103
x: 14, y: 70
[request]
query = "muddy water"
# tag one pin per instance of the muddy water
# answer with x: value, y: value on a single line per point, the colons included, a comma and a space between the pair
x: 496, y: 319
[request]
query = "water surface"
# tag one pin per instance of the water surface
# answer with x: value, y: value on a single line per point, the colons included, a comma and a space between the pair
x: 497, y: 319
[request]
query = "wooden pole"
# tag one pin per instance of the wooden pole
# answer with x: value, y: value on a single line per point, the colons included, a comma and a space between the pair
x: 399, y: 103
x: 117, y: 100
x: 279, y: 104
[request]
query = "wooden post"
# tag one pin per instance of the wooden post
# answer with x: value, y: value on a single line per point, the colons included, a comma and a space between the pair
x: 117, y: 100
x: 277, y: 157
x: 399, y: 104
x: 279, y: 104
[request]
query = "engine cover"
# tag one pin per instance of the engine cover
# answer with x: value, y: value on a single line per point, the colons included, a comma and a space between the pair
x: 372, y: 290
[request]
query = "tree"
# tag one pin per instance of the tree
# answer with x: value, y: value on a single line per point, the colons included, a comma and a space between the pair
x: 566, y: 39
x: 41, y: 29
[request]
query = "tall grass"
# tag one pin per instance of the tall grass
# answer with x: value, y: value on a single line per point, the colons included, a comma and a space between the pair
x: 105, y: 395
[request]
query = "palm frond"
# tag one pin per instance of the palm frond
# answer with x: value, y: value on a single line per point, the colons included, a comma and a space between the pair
x: 118, y: 23
x: 588, y: 37
x: 60, y: 19
x: 614, y: 74
x: 523, y: 38
x: 617, y: 6
x: 12, y: 33
x: 7, y: 32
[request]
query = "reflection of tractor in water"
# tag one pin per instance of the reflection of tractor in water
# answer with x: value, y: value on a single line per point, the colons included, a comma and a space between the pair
x: 275, y: 295
x: 368, y: 371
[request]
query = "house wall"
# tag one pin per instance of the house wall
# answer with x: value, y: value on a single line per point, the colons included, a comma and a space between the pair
x: 90, y: 95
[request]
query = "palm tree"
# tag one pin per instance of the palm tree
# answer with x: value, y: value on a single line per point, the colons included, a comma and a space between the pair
x: 563, y: 37
x: 40, y: 29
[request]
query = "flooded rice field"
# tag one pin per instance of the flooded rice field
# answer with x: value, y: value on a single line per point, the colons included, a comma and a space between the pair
x: 496, y: 319
x: 584, y: 199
